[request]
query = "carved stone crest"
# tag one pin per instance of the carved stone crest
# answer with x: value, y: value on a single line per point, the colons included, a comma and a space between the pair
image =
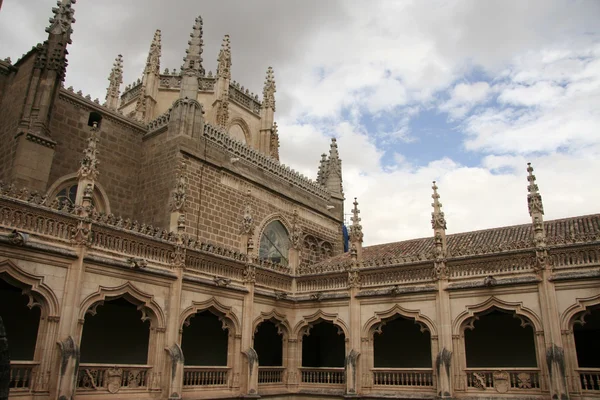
x: 113, y: 378
x: 501, y: 381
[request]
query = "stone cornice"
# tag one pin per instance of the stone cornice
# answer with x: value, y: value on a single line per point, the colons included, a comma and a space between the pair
x: 112, y: 115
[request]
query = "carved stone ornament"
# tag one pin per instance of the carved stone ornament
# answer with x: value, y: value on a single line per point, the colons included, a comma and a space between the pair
x: 353, y: 279
x: 524, y: 380
x: 137, y: 263
x: 221, y: 282
x: 113, y: 377
x: 296, y: 235
x: 247, y: 226
x: 18, y: 238
x: 501, y: 381
x: 249, y: 274
x: 178, y: 195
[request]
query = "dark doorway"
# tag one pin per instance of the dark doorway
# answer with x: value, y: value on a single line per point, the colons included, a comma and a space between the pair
x: 401, y: 344
x: 20, y: 321
x: 499, y: 340
x: 204, y: 341
x: 587, y: 340
x: 324, y: 346
x: 268, y: 344
x: 115, y: 335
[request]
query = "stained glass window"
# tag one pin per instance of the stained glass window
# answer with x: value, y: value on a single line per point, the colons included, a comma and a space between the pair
x: 68, y: 193
x: 275, y: 243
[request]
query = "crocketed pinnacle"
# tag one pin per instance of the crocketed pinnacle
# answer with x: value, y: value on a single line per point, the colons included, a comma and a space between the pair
x: 534, y: 198
x: 437, y: 216
x: 355, y: 234
x: 224, y: 60
x: 332, y: 171
x: 60, y: 23
x: 269, y: 90
x: 115, y: 80
x: 274, y: 145
x: 322, y: 169
x: 192, y: 62
x: 153, y: 60
x: 89, y: 163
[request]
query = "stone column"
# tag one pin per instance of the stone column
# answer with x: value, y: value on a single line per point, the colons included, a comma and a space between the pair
x: 249, y: 372
x: 4, y: 364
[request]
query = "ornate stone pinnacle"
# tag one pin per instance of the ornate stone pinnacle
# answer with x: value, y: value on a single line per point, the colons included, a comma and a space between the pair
x: 178, y: 195
x: 437, y: 216
x: 322, y: 169
x: 269, y: 90
x: 116, y: 79
x: 61, y: 22
x: 153, y: 60
x: 296, y: 235
x: 224, y: 60
x: 356, y: 234
x: 247, y: 219
x: 534, y: 198
x: 89, y: 163
x: 192, y: 62
x: 274, y: 145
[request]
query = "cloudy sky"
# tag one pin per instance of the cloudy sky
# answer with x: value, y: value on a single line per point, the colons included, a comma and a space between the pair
x: 465, y: 92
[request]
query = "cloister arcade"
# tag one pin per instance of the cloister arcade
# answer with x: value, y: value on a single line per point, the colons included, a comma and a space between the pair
x: 497, y: 348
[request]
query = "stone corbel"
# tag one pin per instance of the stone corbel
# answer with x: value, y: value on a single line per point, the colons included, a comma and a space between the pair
x: 69, y: 367
x: 352, y: 373
x: 252, y: 357
x: 176, y: 382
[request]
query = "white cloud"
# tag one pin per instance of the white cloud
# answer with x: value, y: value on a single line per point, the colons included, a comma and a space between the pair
x: 464, y: 96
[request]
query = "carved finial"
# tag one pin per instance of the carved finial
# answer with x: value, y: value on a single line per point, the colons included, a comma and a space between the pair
x: 178, y: 194
x: 247, y: 219
x: 224, y: 60
x: 89, y: 163
x: 269, y: 90
x: 534, y: 198
x: 296, y: 235
x: 193, y: 59
x: 274, y: 145
x: 356, y: 233
x: 60, y: 23
x: 332, y: 173
x: 437, y: 216
x: 153, y: 60
x: 322, y: 169
x: 223, y: 111
x: 115, y: 78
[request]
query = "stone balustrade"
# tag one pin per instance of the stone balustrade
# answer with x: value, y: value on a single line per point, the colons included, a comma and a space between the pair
x: 22, y: 375
x: 589, y: 378
x: 410, y: 377
x: 270, y: 375
x: 503, y: 380
x: 112, y: 378
x: 206, y: 376
x: 323, y: 376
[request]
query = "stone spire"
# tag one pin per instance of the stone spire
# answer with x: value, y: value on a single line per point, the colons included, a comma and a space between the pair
x: 60, y: 23
x: 192, y: 63
x: 222, y: 84
x: 355, y: 233
x: 322, y: 170
x: 267, y: 113
x: 115, y: 78
x: 224, y: 60
x: 274, y: 147
x: 438, y: 224
x: 187, y: 114
x: 333, y: 172
x: 536, y: 211
x: 144, y: 107
x: 269, y: 90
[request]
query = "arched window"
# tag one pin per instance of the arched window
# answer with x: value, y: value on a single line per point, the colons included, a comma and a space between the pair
x: 323, y: 346
x: 204, y: 341
x: 586, y: 332
x: 237, y: 133
x: 275, y: 243
x: 65, y: 192
x: 402, y: 343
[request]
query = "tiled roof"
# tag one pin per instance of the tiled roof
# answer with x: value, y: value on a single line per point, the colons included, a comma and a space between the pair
x: 583, y: 228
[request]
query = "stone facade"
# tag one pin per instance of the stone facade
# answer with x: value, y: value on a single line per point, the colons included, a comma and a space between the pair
x: 156, y: 202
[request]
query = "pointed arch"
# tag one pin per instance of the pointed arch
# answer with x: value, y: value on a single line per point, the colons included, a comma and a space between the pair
x: 380, y: 317
x: 225, y: 314
x: 468, y: 317
x: 44, y: 295
x: 270, y: 218
x: 282, y: 324
x: 145, y: 302
x: 303, y: 327
x: 567, y: 318
x: 100, y: 196
x: 244, y: 126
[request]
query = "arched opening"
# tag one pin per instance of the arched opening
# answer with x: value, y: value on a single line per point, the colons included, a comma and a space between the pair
x: 94, y: 117
x: 21, y: 321
x: 586, y: 332
x: 204, y: 340
x: 323, y: 346
x: 274, y: 243
x: 402, y: 343
x: 205, y: 346
x: 66, y: 194
x: 237, y: 133
x: 500, y: 339
x: 268, y: 344
x: 116, y: 332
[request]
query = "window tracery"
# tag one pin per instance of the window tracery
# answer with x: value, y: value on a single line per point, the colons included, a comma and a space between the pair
x: 275, y: 243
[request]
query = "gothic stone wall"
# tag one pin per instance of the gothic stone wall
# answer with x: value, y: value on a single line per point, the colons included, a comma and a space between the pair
x: 119, y: 151
x: 11, y: 108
